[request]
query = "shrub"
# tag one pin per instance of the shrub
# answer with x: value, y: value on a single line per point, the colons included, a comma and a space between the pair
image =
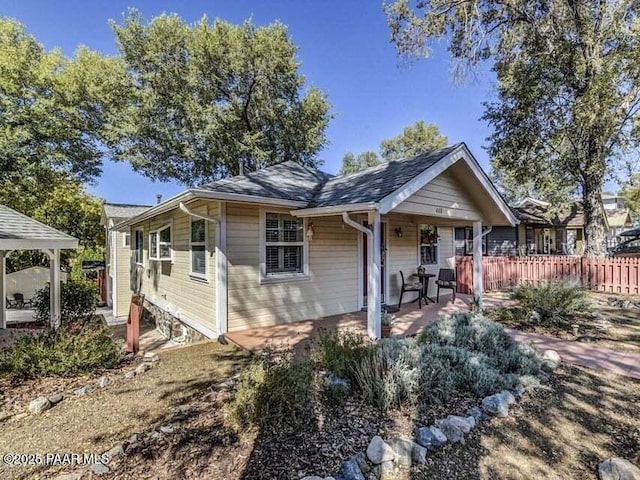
x: 69, y: 350
x: 339, y: 351
x: 273, y: 390
x: 554, y: 303
x: 78, y: 301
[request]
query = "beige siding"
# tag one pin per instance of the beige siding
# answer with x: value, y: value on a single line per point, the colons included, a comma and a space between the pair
x: 122, y: 261
x: 331, y: 286
x: 403, y: 254
x: 443, y: 197
x: 169, y: 284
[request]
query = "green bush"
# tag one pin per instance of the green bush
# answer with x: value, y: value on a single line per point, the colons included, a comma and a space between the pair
x: 273, y: 391
x: 69, y: 350
x: 339, y: 351
x: 550, y: 304
x: 78, y: 301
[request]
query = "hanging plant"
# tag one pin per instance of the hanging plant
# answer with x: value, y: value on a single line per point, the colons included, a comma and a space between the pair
x: 428, y: 235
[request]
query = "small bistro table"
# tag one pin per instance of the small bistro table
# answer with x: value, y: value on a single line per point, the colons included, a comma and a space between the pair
x: 424, y: 280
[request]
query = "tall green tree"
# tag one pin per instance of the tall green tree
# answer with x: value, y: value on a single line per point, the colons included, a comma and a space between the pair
x: 354, y: 163
x: 414, y: 139
x: 52, y: 108
x: 631, y: 191
x: 213, y: 99
x: 568, y: 86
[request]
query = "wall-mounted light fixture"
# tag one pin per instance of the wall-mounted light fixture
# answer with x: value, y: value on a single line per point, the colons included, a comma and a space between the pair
x: 310, y: 232
x: 399, y: 232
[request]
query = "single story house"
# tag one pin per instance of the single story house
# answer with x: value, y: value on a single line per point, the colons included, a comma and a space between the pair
x: 289, y: 243
x: 118, y: 255
x: 539, y: 233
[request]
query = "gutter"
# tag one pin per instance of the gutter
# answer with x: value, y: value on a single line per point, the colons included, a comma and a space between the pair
x: 335, y: 209
x: 206, y: 218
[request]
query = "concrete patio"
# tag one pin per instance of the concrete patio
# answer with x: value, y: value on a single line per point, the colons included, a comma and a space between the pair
x: 409, y: 320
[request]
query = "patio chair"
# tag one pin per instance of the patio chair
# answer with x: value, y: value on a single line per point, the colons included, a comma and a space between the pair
x: 15, y: 301
x: 410, y: 287
x: 446, y: 280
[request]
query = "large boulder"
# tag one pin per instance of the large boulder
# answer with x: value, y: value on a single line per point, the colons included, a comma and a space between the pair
x: 430, y: 437
x: 378, y: 451
x: 477, y: 414
x: 550, y: 359
x: 451, y: 430
x: 39, y: 405
x: 617, y: 468
x: 350, y: 470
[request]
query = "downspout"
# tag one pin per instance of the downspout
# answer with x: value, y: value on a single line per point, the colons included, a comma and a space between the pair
x: 478, y: 268
x: 347, y: 219
x: 221, y: 272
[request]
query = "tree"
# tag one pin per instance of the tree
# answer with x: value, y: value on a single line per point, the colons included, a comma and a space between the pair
x: 209, y: 100
x: 631, y: 191
x: 352, y: 163
x: 568, y: 86
x: 52, y: 108
x: 414, y: 139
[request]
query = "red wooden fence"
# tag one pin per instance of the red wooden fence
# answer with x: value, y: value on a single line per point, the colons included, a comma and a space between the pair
x: 614, y: 275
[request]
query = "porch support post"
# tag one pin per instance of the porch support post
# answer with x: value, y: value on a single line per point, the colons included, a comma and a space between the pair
x: 3, y: 288
x: 54, y: 287
x: 478, y: 286
x: 374, y: 309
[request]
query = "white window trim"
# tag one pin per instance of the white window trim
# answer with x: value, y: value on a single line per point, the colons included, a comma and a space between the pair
x: 281, y: 277
x: 133, y: 246
x: 420, y: 245
x: 157, y: 231
x: 199, y: 275
x: 124, y: 239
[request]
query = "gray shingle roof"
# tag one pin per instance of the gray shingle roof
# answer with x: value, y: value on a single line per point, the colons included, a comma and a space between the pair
x: 287, y: 180
x: 16, y: 227
x: 375, y: 183
x: 123, y: 210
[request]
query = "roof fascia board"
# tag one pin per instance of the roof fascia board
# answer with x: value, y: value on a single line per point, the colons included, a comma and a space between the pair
x: 37, y: 244
x: 241, y: 198
x: 335, y: 209
x: 156, y: 210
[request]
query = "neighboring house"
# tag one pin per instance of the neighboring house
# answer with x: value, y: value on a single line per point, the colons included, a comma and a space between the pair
x: 118, y: 255
x: 288, y: 243
x: 539, y: 233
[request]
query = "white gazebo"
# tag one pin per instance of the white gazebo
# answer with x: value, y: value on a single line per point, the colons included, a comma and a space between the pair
x: 19, y: 232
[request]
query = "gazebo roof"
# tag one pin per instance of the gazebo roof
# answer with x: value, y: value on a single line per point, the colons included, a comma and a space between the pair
x: 19, y: 232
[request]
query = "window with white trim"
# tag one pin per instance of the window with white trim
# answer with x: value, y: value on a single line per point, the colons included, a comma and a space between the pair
x: 428, y: 245
x: 138, y: 247
x: 198, y: 247
x: 284, y: 244
x: 160, y: 244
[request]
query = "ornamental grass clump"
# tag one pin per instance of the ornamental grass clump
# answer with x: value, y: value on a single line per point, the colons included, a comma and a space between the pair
x: 551, y: 304
x: 338, y: 351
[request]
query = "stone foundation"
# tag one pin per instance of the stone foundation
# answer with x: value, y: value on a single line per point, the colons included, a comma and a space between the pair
x: 169, y: 326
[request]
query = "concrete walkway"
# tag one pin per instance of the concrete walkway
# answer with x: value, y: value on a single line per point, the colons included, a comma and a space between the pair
x: 584, y: 355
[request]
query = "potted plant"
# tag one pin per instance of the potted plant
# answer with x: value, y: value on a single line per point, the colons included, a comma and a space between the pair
x: 387, y: 321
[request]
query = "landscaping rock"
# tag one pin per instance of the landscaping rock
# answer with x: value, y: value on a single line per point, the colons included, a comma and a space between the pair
x: 431, y: 437
x: 408, y: 452
x: 463, y: 423
x: 350, y: 470
x: 361, y: 458
x: 103, y: 381
x: 210, y: 397
x: 508, y: 397
x: 312, y: 477
x: 335, y: 382
x: 150, y: 357
x: 519, y: 390
x: 477, y: 414
x: 167, y: 429
x: 82, y: 391
x: 496, y: 405
x: 99, y: 468
x: 378, y: 451
x: 550, y: 359
x: 39, y: 405
x: 115, y: 451
x: 130, y: 374
x: 55, y: 398
x: 143, y: 367
x: 453, y: 432
x: 617, y: 468
x: 77, y: 475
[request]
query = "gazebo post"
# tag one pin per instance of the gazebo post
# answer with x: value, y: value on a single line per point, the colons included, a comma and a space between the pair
x: 3, y: 289
x: 54, y: 287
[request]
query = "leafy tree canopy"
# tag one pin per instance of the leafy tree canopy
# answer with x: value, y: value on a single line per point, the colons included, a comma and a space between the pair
x: 209, y: 100
x: 631, y: 191
x: 568, y: 86
x: 52, y: 108
x: 414, y: 139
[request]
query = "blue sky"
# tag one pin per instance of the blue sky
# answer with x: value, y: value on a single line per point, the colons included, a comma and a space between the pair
x: 344, y: 50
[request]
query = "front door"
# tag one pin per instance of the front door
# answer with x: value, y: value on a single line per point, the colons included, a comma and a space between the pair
x: 383, y: 264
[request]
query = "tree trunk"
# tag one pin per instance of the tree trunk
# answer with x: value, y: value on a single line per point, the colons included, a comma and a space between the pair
x: 594, y: 217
